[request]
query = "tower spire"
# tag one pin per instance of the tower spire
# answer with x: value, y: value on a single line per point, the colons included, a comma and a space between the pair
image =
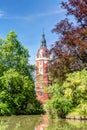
x: 43, y: 40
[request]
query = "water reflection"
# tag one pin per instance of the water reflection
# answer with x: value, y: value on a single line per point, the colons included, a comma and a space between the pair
x: 61, y: 124
x: 19, y: 122
x: 42, y: 125
x: 39, y: 123
x: 67, y: 125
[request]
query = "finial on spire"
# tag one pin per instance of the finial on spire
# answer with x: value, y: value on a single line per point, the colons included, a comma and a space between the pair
x: 43, y: 40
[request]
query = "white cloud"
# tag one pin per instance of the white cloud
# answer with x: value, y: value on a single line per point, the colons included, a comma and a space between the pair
x: 31, y: 16
x: 50, y: 13
x: 2, y: 13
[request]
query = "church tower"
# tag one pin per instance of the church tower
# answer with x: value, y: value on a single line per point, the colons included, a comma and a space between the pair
x: 42, y: 79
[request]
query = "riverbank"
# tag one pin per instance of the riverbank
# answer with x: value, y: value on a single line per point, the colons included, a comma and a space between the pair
x: 76, y: 116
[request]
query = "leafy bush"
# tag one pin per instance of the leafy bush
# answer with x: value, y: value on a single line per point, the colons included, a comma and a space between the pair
x: 72, y: 93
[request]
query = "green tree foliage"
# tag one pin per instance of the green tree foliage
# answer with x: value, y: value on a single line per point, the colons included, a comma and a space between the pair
x: 71, y: 95
x: 59, y: 105
x: 17, y: 92
x: 68, y: 59
x: 75, y: 88
x: 14, y: 55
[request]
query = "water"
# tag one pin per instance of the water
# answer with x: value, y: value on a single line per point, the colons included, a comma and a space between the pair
x: 39, y: 123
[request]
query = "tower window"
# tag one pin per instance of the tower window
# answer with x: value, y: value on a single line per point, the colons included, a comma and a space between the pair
x: 41, y: 70
x: 40, y: 63
x: 40, y: 93
x: 40, y: 56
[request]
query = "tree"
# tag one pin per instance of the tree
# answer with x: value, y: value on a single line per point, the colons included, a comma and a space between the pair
x: 69, y: 96
x: 70, y: 52
x: 17, y: 91
x: 59, y: 105
x: 68, y: 62
x: 14, y: 55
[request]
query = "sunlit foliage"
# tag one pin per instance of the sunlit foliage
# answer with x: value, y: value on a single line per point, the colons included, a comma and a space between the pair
x: 17, y: 90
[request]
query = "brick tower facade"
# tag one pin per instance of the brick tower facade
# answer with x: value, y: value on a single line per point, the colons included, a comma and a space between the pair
x: 42, y: 79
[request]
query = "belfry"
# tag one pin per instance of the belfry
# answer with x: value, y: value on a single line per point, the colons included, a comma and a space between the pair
x: 42, y: 79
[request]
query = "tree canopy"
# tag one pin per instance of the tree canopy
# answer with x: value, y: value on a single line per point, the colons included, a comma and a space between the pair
x: 68, y: 64
x: 17, y: 90
x: 69, y: 53
x: 69, y: 96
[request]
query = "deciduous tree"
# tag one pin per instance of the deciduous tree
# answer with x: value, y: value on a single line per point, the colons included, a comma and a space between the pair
x: 69, y: 53
x: 17, y: 90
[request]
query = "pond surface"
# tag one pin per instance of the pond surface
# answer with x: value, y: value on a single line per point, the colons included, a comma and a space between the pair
x: 39, y: 123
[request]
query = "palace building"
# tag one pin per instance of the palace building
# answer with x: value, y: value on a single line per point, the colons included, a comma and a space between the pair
x: 42, y: 79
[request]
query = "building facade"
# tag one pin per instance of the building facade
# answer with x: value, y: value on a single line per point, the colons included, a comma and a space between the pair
x: 42, y: 79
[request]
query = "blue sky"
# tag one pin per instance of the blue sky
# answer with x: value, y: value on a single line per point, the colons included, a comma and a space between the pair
x: 28, y: 18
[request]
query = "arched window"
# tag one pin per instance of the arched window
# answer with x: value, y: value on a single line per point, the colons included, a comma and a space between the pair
x: 41, y: 70
x: 40, y: 56
x: 40, y: 63
x: 40, y: 93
